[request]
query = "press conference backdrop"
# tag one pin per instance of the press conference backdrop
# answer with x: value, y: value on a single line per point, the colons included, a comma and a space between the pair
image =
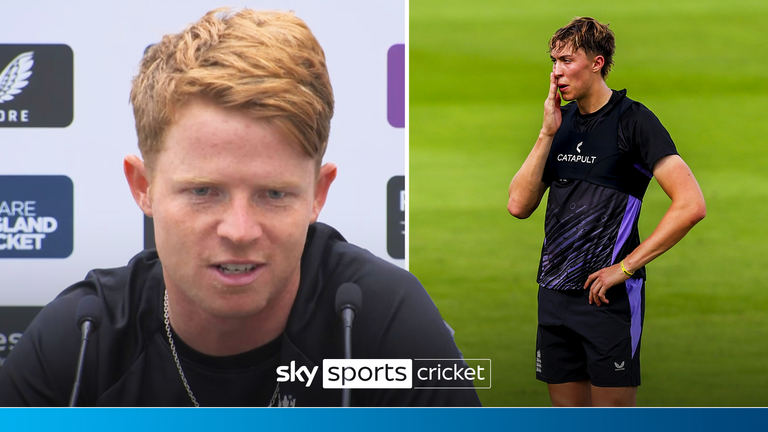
x: 66, y: 125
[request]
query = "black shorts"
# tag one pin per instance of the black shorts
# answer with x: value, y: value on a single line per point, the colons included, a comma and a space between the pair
x: 577, y: 340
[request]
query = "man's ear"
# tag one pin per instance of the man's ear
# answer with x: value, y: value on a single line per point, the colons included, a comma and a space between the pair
x: 598, y: 63
x: 323, y: 183
x: 136, y: 174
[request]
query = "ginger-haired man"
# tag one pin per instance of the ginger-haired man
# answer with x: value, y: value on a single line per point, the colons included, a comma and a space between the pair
x: 597, y: 156
x: 233, y: 117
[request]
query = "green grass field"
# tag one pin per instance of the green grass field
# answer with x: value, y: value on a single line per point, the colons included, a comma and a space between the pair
x: 479, y: 75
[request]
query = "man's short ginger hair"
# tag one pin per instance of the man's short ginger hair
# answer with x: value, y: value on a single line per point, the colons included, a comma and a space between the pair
x: 266, y: 63
x: 591, y: 36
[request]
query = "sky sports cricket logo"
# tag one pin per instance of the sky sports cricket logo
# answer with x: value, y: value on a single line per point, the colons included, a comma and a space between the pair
x: 36, y: 216
x: 393, y: 374
x: 36, y: 85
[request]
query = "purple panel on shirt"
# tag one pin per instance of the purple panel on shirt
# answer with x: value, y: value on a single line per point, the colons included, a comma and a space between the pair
x: 634, y: 287
x: 643, y: 170
x: 396, y: 85
x: 630, y: 216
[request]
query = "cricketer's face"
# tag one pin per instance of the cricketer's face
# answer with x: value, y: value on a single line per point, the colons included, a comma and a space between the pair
x: 232, y: 198
x: 575, y: 71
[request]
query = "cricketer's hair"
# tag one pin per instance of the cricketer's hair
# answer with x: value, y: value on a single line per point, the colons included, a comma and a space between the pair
x: 266, y: 63
x: 589, y: 34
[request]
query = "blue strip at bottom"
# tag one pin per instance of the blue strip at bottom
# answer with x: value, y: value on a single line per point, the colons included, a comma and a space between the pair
x: 394, y: 419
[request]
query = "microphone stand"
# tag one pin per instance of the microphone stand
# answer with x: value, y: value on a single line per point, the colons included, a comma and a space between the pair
x: 349, y: 300
x: 87, y: 326
x: 347, y: 315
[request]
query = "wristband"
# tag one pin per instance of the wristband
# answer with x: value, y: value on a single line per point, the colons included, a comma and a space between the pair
x: 625, y: 270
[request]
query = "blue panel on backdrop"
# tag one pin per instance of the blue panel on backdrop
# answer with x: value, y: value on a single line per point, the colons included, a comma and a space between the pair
x: 36, y: 216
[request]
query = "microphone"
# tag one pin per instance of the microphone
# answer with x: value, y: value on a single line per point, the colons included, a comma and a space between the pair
x: 349, y: 301
x: 89, y: 315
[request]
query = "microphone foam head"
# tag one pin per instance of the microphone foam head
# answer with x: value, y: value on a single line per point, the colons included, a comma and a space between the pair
x: 89, y: 309
x: 349, y: 295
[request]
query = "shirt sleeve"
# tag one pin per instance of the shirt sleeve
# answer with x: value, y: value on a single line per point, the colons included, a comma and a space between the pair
x: 643, y: 136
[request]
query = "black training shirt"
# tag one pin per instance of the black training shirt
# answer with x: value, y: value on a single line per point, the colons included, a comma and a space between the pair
x: 598, y: 169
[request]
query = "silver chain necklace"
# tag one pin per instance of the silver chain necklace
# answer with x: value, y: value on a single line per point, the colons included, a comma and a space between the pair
x: 167, y: 319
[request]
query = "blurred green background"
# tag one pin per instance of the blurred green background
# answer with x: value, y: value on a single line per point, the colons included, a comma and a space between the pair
x: 479, y: 74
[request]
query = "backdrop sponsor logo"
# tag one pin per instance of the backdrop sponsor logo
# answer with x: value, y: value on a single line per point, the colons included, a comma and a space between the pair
x: 396, y: 217
x: 149, y: 233
x: 36, y: 85
x: 13, y: 321
x: 396, y: 85
x: 36, y: 216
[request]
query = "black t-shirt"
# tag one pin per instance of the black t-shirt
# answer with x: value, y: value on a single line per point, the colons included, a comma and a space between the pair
x: 598, y: 169
x: 129, y: 360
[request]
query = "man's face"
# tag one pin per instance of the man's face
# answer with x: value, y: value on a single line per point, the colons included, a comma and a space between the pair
x: 232, y: 198
x: 574, y: 71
